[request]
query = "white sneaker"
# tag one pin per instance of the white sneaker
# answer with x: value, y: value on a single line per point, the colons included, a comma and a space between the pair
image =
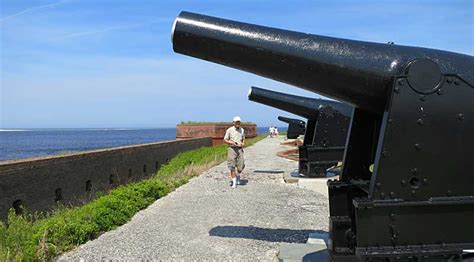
x: 234, y: 183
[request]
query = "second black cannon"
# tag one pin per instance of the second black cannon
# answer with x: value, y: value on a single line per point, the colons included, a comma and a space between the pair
x: 326, y: 129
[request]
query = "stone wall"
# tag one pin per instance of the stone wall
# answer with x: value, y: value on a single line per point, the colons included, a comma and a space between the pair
x: 40, y: 184
x: 216, y: 131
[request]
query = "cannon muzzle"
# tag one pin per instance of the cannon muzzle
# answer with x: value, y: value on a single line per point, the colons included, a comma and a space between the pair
x: 302, y: 106
x: 291, y: 121
x: 354, y: 72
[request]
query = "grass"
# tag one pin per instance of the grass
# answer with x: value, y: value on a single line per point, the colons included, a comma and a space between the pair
x: 45, y: 236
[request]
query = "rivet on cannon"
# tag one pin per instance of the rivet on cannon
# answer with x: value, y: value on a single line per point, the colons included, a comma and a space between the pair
x: 422, y: 98
x: 420, y: 121
x: 414, y: 182
x: 392, y: 195
x: 417, y: 146
x: 403, y: 182
x: 425, y: 181
x: 460, y: 117
x: 396, y: 90
x: 414, y: 171
x: 392, y: 216
x: 440, y: 91
x: 413, y: 192
x: 400, y: 82
x: 382, y: 195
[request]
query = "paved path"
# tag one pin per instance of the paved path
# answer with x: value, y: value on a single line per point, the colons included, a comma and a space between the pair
x: 207, y: 220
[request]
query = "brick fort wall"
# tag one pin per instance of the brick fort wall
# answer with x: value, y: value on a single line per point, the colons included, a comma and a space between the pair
x: 40, y: 184
x: 216, y: 131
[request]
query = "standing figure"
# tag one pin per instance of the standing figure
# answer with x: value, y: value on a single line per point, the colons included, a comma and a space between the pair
x: 272, y: 131
x: 235, y: 138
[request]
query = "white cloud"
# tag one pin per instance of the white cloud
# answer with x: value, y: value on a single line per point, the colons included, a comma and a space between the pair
x: 31, y: 9
x: 112, y: 28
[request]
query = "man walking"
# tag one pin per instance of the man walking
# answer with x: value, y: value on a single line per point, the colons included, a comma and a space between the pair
x: 235, y: 138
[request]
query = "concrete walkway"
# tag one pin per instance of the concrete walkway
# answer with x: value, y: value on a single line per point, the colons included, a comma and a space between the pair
x: 207, y: 220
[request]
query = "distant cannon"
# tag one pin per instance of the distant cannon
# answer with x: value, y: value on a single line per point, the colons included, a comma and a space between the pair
x: 296, y: 127
x: 413, y: 123
x: 326, y: 130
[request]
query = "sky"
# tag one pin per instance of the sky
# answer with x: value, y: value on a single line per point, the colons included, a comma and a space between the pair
x: 101, y: 64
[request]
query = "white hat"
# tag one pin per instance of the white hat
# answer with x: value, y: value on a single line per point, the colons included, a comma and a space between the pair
x: 236, y: 119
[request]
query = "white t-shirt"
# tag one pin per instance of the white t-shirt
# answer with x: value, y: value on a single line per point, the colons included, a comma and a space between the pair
x: 234, y: 134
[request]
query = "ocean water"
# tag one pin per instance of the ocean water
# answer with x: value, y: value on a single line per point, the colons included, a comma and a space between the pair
x: 26, y: 143
x: 17, y: 144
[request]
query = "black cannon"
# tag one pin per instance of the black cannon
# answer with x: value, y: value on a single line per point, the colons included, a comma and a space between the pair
x: 296, y: 127
x: 326, y: 130
x: 413, y: 123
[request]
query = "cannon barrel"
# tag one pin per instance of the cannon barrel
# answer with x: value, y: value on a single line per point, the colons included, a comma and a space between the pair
x: 291, y: 120
x: 354, y: 72
x: 296, y: 127
x: 302, y: 106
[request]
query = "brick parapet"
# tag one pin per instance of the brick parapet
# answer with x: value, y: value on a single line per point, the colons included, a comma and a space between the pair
x: 38, y: 182
x: 215, y: 131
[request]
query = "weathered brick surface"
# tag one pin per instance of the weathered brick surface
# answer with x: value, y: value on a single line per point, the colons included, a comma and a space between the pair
x: 35, y: 181
x: 216, y: 131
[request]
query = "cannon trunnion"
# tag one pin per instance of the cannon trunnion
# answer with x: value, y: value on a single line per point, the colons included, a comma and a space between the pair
x: 326, y: 130
x: 296, y: 127
x: 413, y: 121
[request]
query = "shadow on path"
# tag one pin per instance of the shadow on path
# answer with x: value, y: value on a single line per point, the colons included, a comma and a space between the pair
x: 243, y: 182
x: 269, y: 171
x: 317, y: 256
x: 265, y: 234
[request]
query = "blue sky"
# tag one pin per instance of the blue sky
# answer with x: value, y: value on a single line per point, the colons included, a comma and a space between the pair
x: 84, y: 63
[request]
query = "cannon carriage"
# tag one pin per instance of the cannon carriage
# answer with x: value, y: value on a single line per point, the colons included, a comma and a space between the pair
x: 413, y: 121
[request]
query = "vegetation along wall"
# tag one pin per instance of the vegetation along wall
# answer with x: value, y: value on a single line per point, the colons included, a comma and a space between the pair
x: 41, y: 184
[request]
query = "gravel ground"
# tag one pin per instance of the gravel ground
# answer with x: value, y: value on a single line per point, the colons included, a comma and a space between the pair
x: 207, y: 220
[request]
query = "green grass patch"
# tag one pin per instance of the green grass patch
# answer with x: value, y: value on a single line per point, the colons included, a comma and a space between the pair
x: 44, y: 236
